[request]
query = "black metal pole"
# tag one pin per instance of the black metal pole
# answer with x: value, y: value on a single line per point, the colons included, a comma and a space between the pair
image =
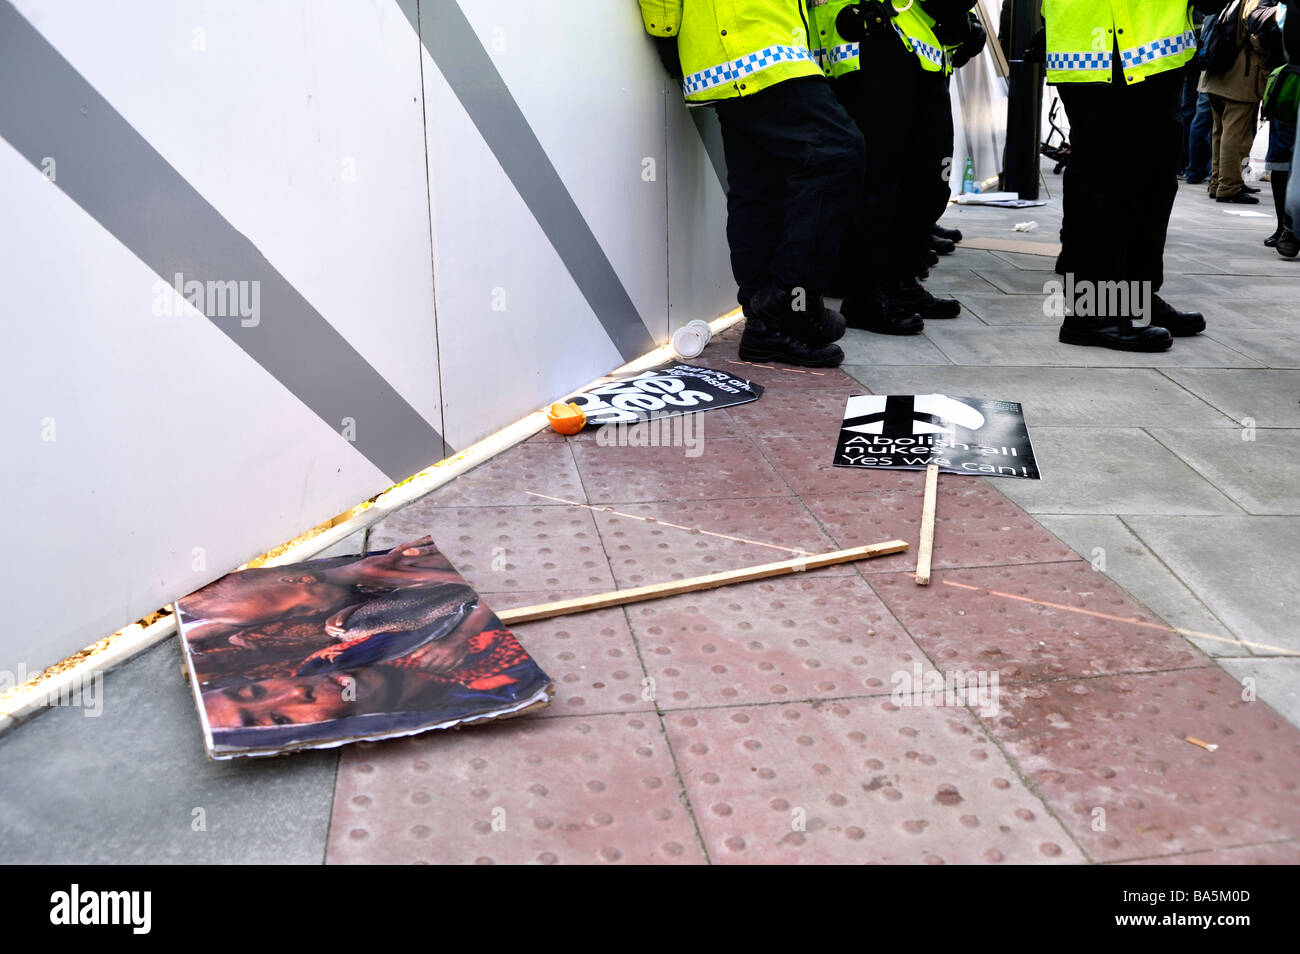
x: 1024, y: 102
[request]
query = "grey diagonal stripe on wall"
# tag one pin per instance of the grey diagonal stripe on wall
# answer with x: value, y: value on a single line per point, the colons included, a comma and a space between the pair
x: 48, y: 109
x: 474, y: 79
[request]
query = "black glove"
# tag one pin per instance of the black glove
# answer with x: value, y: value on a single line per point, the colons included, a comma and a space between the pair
x: 666, y: 47
x: 948, y: 10
x: 972, y: 47
x: 954, y: 32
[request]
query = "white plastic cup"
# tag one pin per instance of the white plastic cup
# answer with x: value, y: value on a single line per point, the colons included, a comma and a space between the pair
x: 690, y: 340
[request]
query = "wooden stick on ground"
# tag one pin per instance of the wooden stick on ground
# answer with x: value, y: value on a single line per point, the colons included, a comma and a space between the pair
x: 925, y: 548
x: 583, y: 604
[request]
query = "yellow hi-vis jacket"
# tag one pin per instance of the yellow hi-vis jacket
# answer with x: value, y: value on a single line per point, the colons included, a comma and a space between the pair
x: 913, y: 25
x: 1153, y: 36
x: 731, y: 48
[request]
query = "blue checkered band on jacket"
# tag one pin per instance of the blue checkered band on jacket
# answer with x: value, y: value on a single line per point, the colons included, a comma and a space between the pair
x: 1146, y: 53
x: 745, y: 66
x: 931, y: 53
x: 1157, y: 49
x: 843, y: 53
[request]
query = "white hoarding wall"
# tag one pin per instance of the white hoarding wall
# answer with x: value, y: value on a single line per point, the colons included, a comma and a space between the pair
x: 263, y: 260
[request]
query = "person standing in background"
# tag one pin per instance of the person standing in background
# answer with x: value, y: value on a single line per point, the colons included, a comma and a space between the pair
x: 1234, y: 99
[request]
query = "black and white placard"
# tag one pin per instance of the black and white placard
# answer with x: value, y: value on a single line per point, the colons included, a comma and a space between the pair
x: 678, y: 389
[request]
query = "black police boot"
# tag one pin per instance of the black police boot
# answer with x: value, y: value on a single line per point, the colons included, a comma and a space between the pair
x: 881, y: 315
x: 802, y: 316
x: 911, y: 295
x: 1288, y: 246
x: 759, y: 343
x: 1180, y: 324
x: 942, y: 246
x: 952, y: 235
x: 931, y: 257
x: 1116, y: 333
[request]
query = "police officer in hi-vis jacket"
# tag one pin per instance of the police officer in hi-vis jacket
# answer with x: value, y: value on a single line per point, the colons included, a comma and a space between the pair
x: 1118, y: 67
x: 794, y: 162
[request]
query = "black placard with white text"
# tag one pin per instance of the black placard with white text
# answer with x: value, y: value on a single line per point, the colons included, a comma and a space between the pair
x: 962, y: 435
x: 678, y: 389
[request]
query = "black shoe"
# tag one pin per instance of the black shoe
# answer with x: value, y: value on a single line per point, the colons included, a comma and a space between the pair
x: 1116, y: 333
x: 942, y: 245
x: 1238, y: 198
x: 1191, y: 181
x: 882, y: 316
x: 952, y: 235
x: 1288, y: 246
x: 912, y: 296
x: 814, y: 325
x: 931, y: 257
x: 760, y: 343
x: 1271, y: 241
x: 1180, y: 324
x: 1250, y: 189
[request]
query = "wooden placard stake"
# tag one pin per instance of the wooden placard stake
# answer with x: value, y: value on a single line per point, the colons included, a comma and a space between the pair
x: 583, y: 604
x: 925, y: 548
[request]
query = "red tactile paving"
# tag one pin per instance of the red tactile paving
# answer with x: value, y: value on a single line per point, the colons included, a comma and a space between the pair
x: 591, y: 657
x: 1119, y: 744
x: 507, y: 548
x: 815, y: 417
x: 869, y: 782
x: 1281, y: 853
x: 961, y: 622
x: 643, y: 551
x: 974, y: 526
x: 596, y: 790
x: 805, y: 463
x: 811, y: 637
x: 542, y: 467
x: 777, y: 694
x: 725, y: 467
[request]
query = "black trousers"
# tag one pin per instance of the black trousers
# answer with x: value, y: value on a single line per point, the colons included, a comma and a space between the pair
x: 794, y: 169
x: 1122, y: 178
x: 904, y: 112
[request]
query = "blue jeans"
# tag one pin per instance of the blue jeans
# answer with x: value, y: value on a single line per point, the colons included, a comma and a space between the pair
x: 1198, y: 140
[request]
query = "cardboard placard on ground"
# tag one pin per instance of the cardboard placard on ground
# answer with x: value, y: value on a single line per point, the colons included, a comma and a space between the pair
x: 664, y: 392
x: 961, y: 435
x: 349, y: 649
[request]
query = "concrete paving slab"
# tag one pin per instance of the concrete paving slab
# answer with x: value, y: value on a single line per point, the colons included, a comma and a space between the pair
x: 1273, y: 349
x: 1113, y: 549
x: 502, y: 549
x: 1035, y: 622
x: 816, y: 415
x: 717, y: 468
x: 1269, y: 398
x: 1243, y: 568
x: 974, y: 526
x: 1083, y: 397
x: 1112, y: 470
x: 653, y: 543
x: 1118, y: 744
x: 1275, y: 680
x: 866, y: 348
x: 1016, y: 281
x: 807, y: 637
x: 1038, y: 347
x: 133, y: 786
x: 593, y: 790
x: 996, y: 308
x: 856, y: 782
x: 1259, y: 475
